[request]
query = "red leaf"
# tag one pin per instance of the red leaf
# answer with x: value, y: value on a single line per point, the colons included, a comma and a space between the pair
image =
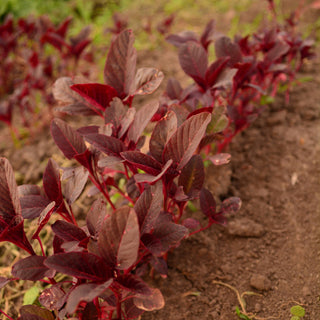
x: 147, y: 80
x: 180, y: 38
x: 277, y: 51
x: 220, y: 159
x: 95, y: 217
x: 148, y: 207
x: 192, y: 176
x: 68, y: 231
x: 33, y: 205
x: 119, y: 238
x: 32, y: 312
x: 141, y: 119
x: 119, y: 70
x: 230, y: 205
x: 9, y: 196
x: 82, y: 265
x: 224, y: 47
x: 85, y: 292
x: 215, y: 70
x: 53, y: 298
x: 173, y: 89
x: 51, y: 182
x: 109, y: 145
x: 142, y: 161
x: 134, y: 284
x: 194, y: 61
x: 151, y: 302
x: 99, y: 95
x: 32, y: 268
x: 186, y: 139
x: 67, y: 139
x: 208, y: 34
x: 207, y: 203
x: 162, y: 132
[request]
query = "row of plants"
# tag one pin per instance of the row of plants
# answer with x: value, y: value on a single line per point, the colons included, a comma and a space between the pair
x: 33, y: 53
x: 142, y: 212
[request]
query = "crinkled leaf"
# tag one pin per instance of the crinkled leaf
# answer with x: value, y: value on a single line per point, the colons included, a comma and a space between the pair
x: 53, y: 298
x: 162, y: 132
x: 147, y: 80
x: 207, y: 203
x: 148, y: 206
x: 109, y: 145
x: 68, y: 231
x: 99, y: 95
x: 141, y: 119
x: 75, y: 184
x: 119, y: 238
x: 184, y: 142
x: 33, y: 205
x: 142, y: 161
x: 82, y: 265
x: 67, y: 139
x: 32, y: 268
x: 85, y: 292
x: 32, y: 312
x: 95, y: 217
x: 151, y: 302
x: 120, y: 67
x: 224, y: 47
x: 193, y: 59
x: 220, y: 159
x: 192, y: 176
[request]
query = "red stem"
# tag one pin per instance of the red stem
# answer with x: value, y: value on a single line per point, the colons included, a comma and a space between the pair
x: 1, y: 311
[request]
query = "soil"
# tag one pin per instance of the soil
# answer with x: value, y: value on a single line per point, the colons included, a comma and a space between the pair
x: 271, y: 248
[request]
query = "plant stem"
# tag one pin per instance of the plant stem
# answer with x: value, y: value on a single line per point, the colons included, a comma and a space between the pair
x: 1, y: 311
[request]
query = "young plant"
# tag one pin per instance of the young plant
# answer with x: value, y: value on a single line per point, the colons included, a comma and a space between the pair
x: 105, y: 258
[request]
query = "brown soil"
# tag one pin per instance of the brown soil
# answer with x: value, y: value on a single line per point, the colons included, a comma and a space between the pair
x: 272, y: 246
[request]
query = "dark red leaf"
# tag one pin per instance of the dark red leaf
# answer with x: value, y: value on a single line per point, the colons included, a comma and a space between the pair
x: 115, y: 113
x: 109, y: 145
x: 162, y: 132
x: 184, y: 142
x: 95, y: 217
x: 75, y: 184
x: 174, y: 89
x: 99, y: 95
x: 230, y: 205
x: 126, y: 122
x: 194, y: 61
x: 208, y: 34
x: 82, y: 265
x: 28, y: 189
x: 32, y: 268
x: 224, y: 47
x: 51, y: 182
x: 90, y: 312
x: 151, y: 179
x: 33, y: 205
x: 192, y: 176
x: 225, y: 78
x: 44, y: 217
x: 120, y: 67
x: 85, y: 292
x: 134, y: 284
x: 207, y: 203
x: 63, y: 27
x: 67, y: 139
x: 68, y: 231
x: 148, y: 206
x: 141, y: 119
x: 215, y: 70
x: 119, y: 238
x: 9, y: 196
x: 277, y: 51
x: 147, y: 80
x: 3, y: 281
x: 32, y: 312
x: 131, y: 311
x: 53, y: 298
x: 142, y: 161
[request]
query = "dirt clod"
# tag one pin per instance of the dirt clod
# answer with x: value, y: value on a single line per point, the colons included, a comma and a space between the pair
x: 245, y: 227
x: 260, y: 282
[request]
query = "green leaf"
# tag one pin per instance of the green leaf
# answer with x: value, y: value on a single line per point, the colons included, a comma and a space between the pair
x: 295, y: 318
x: 31, y: 295
x: 297, y: 311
